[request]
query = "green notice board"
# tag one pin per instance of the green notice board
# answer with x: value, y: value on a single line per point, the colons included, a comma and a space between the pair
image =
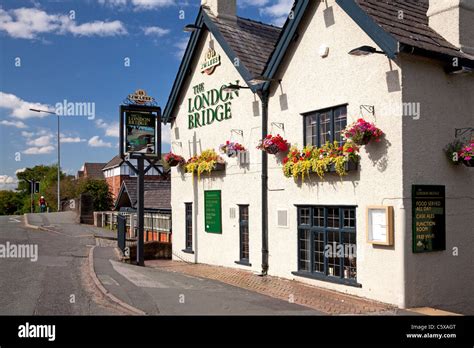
x: 213, y: 211
x: 429, y: 218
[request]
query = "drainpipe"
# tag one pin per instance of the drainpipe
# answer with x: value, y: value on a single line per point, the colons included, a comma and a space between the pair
x: 264, y: 96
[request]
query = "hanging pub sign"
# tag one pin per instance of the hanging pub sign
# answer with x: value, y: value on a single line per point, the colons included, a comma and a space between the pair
x: 211, y: 61
x: 140, y: 127
x: 429, y: 218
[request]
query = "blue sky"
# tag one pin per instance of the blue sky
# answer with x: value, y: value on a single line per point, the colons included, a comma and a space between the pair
x: 89, y: 51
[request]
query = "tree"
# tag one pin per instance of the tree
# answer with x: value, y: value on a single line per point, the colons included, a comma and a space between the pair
x: 10, y: 202
x: 99, y: 190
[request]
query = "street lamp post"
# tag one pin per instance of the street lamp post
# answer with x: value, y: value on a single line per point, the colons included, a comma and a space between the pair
x: 59, y: 154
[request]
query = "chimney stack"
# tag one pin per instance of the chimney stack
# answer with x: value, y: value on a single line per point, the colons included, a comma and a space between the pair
x: 454, y: 20
x: 223, y: 9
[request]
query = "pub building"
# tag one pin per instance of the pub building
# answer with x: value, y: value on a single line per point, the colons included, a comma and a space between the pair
x: 392, y: 223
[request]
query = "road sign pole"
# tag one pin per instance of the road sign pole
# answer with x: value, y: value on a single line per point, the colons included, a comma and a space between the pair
x: 140, y: 210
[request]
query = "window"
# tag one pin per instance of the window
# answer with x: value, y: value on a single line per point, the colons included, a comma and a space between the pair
x: 189, y: 227
x: 244, y: 233
x: 327, y: 242
x: 326, y: 125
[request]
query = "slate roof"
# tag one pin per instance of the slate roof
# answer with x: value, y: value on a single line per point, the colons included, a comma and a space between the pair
x: 253, y: 42
x: 94, y: 170
x: 413, y: 29
x: 157, y: 193
x: 113, y: 163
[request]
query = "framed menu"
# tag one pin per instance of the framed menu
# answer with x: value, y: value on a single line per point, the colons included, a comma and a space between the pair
x: 380, y: 225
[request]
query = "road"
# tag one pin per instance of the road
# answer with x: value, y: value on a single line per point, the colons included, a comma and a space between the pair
x: 59, y: 282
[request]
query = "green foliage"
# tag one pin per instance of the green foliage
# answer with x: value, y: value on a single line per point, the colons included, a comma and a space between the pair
x: 10, y: 202
x: 19, y: 202
x: 99, y: 190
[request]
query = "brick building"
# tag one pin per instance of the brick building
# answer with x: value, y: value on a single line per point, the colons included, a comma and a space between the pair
x: 117, y: 171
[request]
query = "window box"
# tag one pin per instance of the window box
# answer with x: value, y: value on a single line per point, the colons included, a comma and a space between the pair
x: 219, y: 167
x: 350, y: 166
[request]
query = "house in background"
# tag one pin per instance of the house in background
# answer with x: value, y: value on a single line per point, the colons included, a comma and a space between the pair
x: 117, y: 171
x: 157, y: 207
x: 91, y: 171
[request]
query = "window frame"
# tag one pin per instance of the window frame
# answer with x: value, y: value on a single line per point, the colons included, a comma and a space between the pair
x: 244, y: 223
x: 188, y: 223
x: 318, y: 113
x: 313, y: 230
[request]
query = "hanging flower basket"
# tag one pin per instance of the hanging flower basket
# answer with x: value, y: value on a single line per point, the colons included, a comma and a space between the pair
x: 231, y: 149
x: 362, y: 133
x: 173, y: 160
x: 274, y: 145
x: 453, y: 151
x: 466, y: 155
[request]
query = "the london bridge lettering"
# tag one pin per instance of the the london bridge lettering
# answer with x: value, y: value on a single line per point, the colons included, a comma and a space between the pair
x: 207, y: 107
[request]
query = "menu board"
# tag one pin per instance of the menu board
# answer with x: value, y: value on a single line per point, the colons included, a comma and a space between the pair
x: 429, y: 218
x: 213, y: 212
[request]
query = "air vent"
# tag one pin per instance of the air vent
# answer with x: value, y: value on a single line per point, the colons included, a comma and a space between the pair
x: 282, y: 218
x: 232, y: 213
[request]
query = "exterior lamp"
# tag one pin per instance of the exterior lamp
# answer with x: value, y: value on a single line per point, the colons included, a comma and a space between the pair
x: 364, y: 51
x: 258, y: 80
x: 190, y: 28
x: 232, y: 88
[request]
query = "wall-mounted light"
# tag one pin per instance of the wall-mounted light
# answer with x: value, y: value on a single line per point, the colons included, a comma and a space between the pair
x: 232, y: 88
x: 458, y: 70
x: 190, y: 28
x: 259, y: 80
x: 365, y: 51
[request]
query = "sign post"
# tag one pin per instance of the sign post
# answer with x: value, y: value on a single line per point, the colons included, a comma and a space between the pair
x: 140, y: 140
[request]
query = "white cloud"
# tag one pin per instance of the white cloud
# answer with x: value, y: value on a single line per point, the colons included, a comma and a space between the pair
x: 111, y: 129
x: 97, y: 142
x: 21, y: 170
x: 17, y: 124
x: 98, y: 28
x: 278, y: 11
x: 20, y: 108
x: 39, y: 150
x: 156, y: 31
x: 139, y: 5
x: 181, y: 46
x: 71, y: 140
x: 42, y: 141
x: 8, y: 182
x: 27, y: 134
x: 28, y: 23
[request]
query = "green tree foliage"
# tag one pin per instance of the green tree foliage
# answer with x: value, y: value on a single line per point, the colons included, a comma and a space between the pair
x: 10, y: 202
x: 19, y: 202
x: 99, y: 190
